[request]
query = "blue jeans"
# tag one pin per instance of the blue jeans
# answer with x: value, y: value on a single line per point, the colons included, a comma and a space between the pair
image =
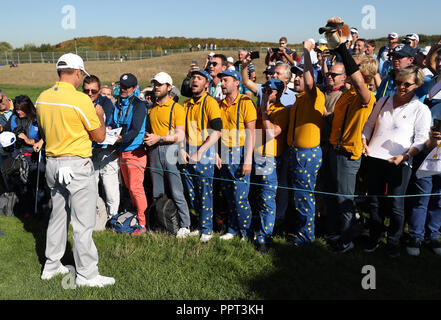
x: 424, y: 211
x: 198, y: 179
x: 265, y: 176
x: 304, y: 166
x: 236, y: 187
x: 343, y: 173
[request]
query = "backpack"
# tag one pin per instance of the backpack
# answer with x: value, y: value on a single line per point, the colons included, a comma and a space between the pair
x: 124, y: 222
x: 163, y: 215
x: 8, y: 200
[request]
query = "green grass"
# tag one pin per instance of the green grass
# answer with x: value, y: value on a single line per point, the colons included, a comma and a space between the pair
x: 12, y: 91
x: 160, y: 267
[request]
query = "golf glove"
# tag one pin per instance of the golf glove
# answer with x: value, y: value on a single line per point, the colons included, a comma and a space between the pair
x: 65, y: 175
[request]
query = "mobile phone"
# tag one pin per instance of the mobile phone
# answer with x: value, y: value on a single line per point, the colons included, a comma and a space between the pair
x: 437, y: 125
x: 254, y: 55
x: 194, y: 62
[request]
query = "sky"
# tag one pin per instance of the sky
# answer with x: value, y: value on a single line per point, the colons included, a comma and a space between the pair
x: 25, y: 22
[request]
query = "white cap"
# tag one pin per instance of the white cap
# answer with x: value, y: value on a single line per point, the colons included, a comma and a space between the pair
x: 71, y: 61
x: 322, y: 41
x: 412, y: 36
x: 354, y: 30
x: 230, y: 59
x: 7, y: 139
x: 211, y: 54
x: 162, y: 78
x: 425, y: 50
x: 393, y: 35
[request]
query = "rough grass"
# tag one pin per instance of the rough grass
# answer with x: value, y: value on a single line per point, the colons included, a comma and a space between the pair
x: 160, y: 267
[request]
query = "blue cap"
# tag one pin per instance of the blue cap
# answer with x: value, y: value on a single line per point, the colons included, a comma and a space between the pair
x: 128, y: 80
x: 404, y: 50
x: 202, y: 73
x: 274, y: 84
x: 232, y: 73
x: 270, y: 69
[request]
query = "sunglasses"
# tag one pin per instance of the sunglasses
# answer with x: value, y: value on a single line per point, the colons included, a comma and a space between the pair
x: 333, y: 74
x: 407, y: 85
x: 213, y: 64
x: 90, y: 90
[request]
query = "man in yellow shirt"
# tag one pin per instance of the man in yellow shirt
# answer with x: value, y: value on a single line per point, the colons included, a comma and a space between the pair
x: 239, y: 115
x: 203, y: 127
x: 350, y: 115
x: 304, y: 142
x: 167, y: 122
x: 69, y: 122
x: 271, y: 125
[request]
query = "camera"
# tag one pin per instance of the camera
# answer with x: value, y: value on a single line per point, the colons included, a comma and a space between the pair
x: 254, y: 55
x: 275, y: 50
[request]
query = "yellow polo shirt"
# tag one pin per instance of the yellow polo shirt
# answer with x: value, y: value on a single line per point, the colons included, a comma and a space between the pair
x: 66, y: 117
x: 193, y: 112
x: 247, y: 113
x: 309, y: 114
x: 159, y: 116
x: 355, y: 120
x: 278, y: 115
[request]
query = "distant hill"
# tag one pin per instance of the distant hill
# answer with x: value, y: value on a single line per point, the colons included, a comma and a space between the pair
x: 105, y: 43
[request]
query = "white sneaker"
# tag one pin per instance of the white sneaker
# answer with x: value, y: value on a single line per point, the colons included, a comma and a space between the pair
x: 194, y: 233
x: 227, y: 236
x: 99, y: 281
x: 183, y: 233
x: 206, y: 237
x: 46, y: 275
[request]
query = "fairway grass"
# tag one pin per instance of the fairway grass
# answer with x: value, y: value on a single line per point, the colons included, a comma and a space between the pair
x: 160, y: 267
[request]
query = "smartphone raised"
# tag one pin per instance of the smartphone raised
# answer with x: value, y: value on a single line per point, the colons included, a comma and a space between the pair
x: 254, y: 55
x: 437, y: 125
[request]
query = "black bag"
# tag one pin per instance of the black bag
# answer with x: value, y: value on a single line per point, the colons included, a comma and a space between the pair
x: 8, y: 201
x: 163, y: 215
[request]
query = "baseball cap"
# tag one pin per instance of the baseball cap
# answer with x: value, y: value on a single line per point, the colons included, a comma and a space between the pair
x: 297, y: 68
x: 330, y: 26
x: 270, y: 69
x: 404, y: 50
x: 162, y: 78
x: 412, y: 36
x: 7, y: 139
x: 274, y: 84
x: 354, y: 30
x: 322, y: 41
x: 230, y: 59
x: 202, y: 73
x: 71, y: 61
x: 231, y: 73
x: 211, y: 54
x: 393, y: 35
x: 128, y: 80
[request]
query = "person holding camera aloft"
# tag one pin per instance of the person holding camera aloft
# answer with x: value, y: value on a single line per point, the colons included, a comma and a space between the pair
x: 282, y: 54
x: 130, y: 114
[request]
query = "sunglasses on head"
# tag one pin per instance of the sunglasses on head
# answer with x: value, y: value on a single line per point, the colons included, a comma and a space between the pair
x: 407, y: 85
x: 334, y: 74
x: 90, y: 90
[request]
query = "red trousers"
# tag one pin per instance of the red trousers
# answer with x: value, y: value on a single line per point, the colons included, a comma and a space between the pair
x: 133, y: 165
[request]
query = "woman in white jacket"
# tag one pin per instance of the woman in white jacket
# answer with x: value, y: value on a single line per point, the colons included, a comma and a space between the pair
x: 396, y: 131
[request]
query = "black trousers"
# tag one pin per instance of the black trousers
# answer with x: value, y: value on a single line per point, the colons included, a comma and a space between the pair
x: 387, y: 179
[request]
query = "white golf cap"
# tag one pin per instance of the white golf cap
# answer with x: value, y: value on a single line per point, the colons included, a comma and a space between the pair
x: 354, y: 30
x: 71, y: 61
x: 162, y: 78
x: 230, y: 59
x: 412, y: 36
x: 393, y: 35
x: 211, y: 54
x: 7, y: 139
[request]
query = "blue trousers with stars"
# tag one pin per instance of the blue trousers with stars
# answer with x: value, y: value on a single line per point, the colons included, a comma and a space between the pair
x: 304, y: 166
x: 236, y: 187
x: 198, y: 179
x: 264, y: 177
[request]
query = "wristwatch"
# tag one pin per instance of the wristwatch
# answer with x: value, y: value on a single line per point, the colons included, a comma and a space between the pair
x: 161, y: 140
